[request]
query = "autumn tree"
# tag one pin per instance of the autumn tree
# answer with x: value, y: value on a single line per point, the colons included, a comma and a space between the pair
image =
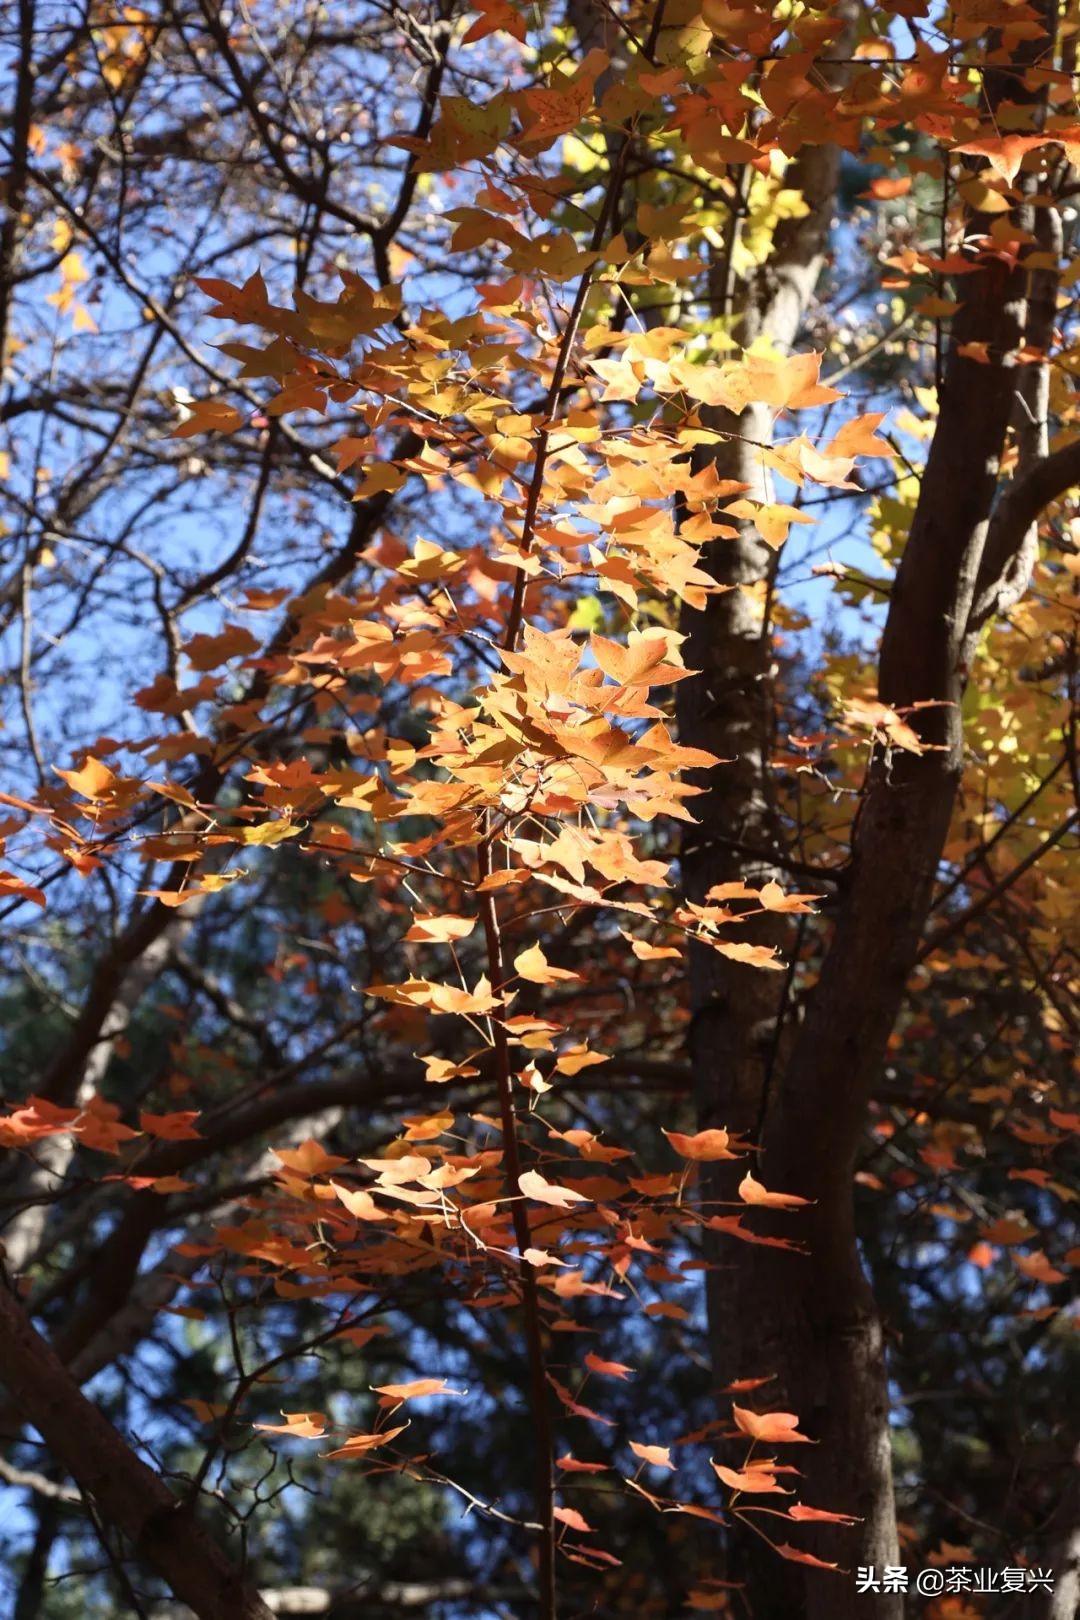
x: 540, y: 625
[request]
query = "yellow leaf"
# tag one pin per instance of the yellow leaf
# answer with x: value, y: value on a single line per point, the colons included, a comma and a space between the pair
x: 752, y: 1192
x: 533, y: 1185
x: 533, y: 965
x: 440, y: 930
x: 417, y: 1388
x: 301, y: 1425
x: 208, y: 416
x: 93, y: 779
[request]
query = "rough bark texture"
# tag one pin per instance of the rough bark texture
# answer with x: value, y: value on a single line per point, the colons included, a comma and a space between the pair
x: 811, y: 1320
x: 824, y: 1346
x: 1063, y: 1602
x: 128, y: 1494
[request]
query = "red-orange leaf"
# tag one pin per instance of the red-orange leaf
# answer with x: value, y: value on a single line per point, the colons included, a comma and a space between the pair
x: 706, y: 1147
x: 572, y: 1519
x: 756, y: 1476
x: 655, y: 1456
x: 571, y: 1465
x: 794, y: 1556
x: 10, y: 884
x: 171, y: 1127
x: 798, y: 1510
x: 358, y: 1445
x: 611, y: 1369
x: 774, y: 1428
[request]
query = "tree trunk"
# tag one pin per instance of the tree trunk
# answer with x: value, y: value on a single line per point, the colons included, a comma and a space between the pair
x: 809, y: 1321
x: 129, y: 1495
x: 1063, y: 1602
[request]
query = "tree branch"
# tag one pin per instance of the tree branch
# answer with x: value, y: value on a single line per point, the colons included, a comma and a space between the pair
x: 127, y: 1493
x: 29, y: 1480
x: 1018, y: 509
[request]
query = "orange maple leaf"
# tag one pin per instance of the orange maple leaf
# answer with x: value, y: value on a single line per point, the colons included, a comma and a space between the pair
x: 774, y: 1428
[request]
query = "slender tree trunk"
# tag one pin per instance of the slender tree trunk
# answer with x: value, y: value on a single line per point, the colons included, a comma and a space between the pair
x: 32, y: 1585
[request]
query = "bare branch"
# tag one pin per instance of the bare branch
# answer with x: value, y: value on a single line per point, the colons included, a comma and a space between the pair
x: 128, y: 1493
